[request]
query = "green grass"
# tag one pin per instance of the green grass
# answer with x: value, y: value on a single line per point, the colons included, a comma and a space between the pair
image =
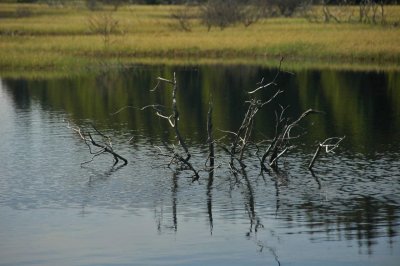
x: 59, y: 39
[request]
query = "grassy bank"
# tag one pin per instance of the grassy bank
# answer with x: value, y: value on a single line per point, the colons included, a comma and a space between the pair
x: 42, y: 38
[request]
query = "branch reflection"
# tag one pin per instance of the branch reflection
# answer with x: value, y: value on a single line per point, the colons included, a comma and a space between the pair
x: 209, y: 197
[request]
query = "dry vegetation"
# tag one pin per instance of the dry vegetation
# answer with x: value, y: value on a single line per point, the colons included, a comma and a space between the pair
x: 63, y: 38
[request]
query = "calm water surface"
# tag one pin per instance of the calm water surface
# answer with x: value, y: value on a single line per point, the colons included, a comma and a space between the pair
x: 55, y: 212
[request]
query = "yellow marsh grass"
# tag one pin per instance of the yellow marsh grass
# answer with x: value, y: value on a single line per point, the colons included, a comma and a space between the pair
x: 60, y: 38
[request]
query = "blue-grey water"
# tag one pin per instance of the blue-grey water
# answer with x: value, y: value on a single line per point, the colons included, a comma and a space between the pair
x: 53, y: 211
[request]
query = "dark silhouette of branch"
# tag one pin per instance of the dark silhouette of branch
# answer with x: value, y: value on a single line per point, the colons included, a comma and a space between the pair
x: 242, y: 136
x: 281, y: 141
x: 210, y: 139
x: 105, y: 145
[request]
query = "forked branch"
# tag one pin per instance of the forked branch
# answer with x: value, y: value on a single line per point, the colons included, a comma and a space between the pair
x: 243, y: 134
x: 273, y: 82
x: 105, y: 144
x: 329, y: 145
x: 173, y: 120
x: 281, y: 142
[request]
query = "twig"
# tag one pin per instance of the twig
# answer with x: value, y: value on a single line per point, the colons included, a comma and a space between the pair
x: 273, y: 82
x: 281, y: 140
x: 329, y: 144
x: 273, y: 163
x: 105, y: 147
x: 123, y: 108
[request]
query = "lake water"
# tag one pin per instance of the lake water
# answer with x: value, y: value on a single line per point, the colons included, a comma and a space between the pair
x: 55, y: 212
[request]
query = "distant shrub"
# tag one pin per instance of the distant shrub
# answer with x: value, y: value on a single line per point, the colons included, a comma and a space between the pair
x: 223, y: 13
x: 183, y: 16
x: 105, y: 25
x: 22, y: 12
x: 93, y: 5
x: 220, y: 13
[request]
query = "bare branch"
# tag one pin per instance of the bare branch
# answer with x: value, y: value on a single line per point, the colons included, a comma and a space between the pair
x: 273, y: 82
x: 159, y: 80
x: 123, y: 108
x: 273, y: 163
x: 286, y: 133
x: 173, y: 120
x: 105, y: 147
x: 154, y: 106
x: 280, y: 143
x: 167, y: 80
x: 210, y: 139
x: 227, y: 131
x: 329, y: 144
x: 155, y: 87
x: 317, y: 151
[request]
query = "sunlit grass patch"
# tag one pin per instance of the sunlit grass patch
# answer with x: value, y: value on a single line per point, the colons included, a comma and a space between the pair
x: 61, y: 38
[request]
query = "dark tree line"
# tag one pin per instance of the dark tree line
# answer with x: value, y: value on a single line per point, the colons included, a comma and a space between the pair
x: 224, y: 13
x: 281, y: 3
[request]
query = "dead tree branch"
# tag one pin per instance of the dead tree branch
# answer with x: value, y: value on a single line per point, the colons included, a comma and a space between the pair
x: 245, y: 130
x: 242, y: 135
x: 273, y: 82
x: 210, y: 139
x: 173, y: 120
x: 329, y: 145
x: 105, y: 144
x: 280, y: 143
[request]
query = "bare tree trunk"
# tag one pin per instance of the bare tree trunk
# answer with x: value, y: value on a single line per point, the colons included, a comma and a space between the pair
x: 210, y: 139
x: 243, y: 134
x: 383, y: 20
x: 173, y: 120
x: 310, y: 166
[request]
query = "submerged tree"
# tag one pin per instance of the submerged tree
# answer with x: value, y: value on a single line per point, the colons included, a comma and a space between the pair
x: 239, y: 144
x: 173, y: 120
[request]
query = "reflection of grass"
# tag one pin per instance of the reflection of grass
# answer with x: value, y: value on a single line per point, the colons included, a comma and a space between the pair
x: 59, y: 38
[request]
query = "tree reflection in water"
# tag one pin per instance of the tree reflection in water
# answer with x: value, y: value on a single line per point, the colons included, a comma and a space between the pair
x: 350, y: 196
